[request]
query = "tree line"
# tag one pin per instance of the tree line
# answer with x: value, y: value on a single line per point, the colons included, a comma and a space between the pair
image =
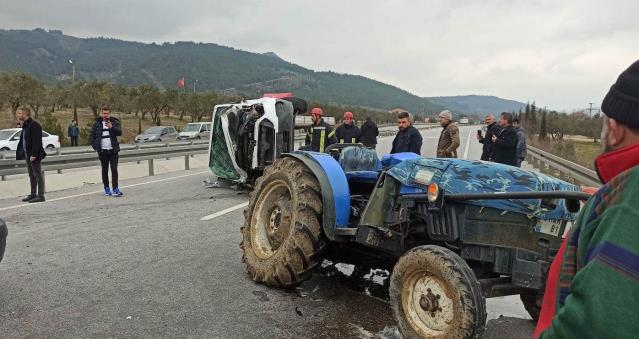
x: 143, y: 101
x: 552, y: 125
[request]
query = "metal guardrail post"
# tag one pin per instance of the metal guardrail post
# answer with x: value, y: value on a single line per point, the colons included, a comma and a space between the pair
x: 58, y: 152
x: 187, y: 166
x: 151, y: 169
x: 168, y: 145
x: 137, y: 147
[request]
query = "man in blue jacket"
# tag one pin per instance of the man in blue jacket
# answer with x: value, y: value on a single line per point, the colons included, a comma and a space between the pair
x: 104, y: 139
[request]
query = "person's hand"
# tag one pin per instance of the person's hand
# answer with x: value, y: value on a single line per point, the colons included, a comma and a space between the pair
x: 494, y: 138
x: 478, y: 137
x: 108, y: 124
x: 32, y: 158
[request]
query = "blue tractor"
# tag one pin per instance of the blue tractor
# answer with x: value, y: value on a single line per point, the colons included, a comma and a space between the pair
x: 452, y: 231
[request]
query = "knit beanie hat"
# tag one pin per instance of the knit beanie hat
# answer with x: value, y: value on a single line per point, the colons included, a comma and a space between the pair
x: 622, y: 101
x: 446, y: 114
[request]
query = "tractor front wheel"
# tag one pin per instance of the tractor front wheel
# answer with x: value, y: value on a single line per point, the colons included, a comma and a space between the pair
x: 434, y: 294
x: 282, y: 236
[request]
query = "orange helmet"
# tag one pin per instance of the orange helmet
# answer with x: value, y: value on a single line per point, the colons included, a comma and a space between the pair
x: 348, y: 115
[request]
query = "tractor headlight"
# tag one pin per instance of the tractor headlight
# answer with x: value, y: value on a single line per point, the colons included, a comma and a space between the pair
x: 433, y: 192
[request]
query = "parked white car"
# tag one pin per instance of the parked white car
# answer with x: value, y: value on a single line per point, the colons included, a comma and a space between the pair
x: 195, y: 130
x: 10, y: 137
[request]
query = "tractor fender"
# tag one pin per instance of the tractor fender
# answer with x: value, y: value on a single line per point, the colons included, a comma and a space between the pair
x: 336, y: 199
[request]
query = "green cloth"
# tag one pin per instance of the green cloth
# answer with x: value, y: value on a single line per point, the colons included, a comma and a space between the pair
x: 598, y: 291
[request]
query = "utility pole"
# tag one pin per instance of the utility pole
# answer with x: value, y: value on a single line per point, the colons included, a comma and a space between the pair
x: 75, y: 109
x: 194, y: 83
x: 590, y: 109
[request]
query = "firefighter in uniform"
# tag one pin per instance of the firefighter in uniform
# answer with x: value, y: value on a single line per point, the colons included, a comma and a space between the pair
x: 449, y: 138
x: 320, y: 134
x: 347, y: 132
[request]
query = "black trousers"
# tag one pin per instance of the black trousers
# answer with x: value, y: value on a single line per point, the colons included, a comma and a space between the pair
x: 109, y: 158
x: 35, y: 177
x: 74, y: 141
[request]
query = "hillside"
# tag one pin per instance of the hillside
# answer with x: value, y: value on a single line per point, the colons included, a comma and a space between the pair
x: 478, y: 104
x: 46, y: 55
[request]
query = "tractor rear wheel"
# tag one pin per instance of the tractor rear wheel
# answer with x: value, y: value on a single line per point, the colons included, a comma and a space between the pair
x: 282, y: 235
x: 434, y: 294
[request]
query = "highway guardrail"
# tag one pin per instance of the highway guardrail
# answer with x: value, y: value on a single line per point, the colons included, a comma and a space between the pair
x: 562, y: 168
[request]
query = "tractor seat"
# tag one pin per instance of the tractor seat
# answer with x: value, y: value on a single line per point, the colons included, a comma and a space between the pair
x: 360, y: 164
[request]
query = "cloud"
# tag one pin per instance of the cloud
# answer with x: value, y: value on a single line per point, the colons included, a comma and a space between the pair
x: 561, y: 54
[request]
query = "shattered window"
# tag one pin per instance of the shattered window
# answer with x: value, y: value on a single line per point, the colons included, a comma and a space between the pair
x: 220, y: 161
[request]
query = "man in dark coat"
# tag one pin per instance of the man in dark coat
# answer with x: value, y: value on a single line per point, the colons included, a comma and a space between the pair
x: 408, y: 139
x: 30, y: 149
x: 74, y: 132
x: 369, y: 133
x: 487, y: 140
x: 104, y: 139
x: 347, y: 132
x: 505, y: 142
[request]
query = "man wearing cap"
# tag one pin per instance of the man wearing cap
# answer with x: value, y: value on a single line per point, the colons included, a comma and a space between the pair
x: 592, y: 290
x: 408, y: 138
x: 449, y: 138
x: 347, y: 132
x: 320, y: 134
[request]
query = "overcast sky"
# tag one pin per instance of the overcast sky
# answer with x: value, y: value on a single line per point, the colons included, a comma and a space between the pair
x: 562, y: 54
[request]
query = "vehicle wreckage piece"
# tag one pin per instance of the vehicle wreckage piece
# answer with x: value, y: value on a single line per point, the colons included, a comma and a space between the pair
x: 248, y: 136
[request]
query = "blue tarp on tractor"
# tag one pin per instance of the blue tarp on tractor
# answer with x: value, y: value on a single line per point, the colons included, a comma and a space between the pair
x: 465, y: 176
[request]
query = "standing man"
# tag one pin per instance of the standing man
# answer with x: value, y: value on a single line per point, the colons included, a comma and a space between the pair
x: 505, y: 142
x: 30, y: 149
x: 449, y: 138
x: 522, y: 148
x: 592, y: 290
x: 408, y: 138
x: 369, y: 133
x: 104, y: 139
x: 320, y: 134
x: 347, y: 132
x: 491, y: 129
x: 74, y: 132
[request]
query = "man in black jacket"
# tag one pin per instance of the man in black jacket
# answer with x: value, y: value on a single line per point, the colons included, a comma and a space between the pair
x: 347, y: 132
x: 369, y: 133
x: 491, y: 129
x: 104, y: 139
x: 505, y: 142
x: 408, y: 139
x: 30, y: 149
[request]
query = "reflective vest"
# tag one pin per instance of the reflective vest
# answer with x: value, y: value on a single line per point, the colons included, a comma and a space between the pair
x: 319, y: 137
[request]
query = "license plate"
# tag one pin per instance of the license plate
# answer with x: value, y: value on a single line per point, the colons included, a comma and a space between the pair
x: 551, y: 227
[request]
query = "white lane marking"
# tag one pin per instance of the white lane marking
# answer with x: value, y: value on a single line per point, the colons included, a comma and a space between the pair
x: 467, y: 145
x: 225, y: 211
x: 95, y: 192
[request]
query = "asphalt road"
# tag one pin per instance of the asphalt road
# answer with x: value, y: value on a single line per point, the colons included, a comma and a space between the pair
x: 146, y: 265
